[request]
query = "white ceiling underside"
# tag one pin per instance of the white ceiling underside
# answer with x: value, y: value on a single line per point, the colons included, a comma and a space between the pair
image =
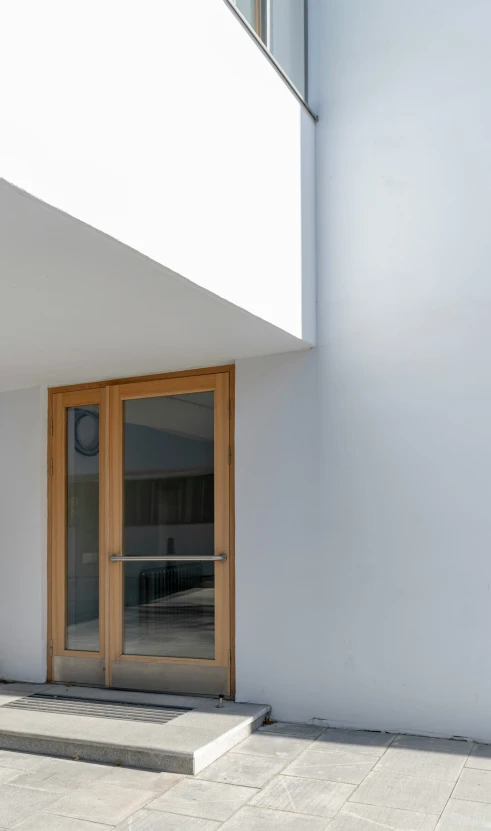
x: 77, y: 306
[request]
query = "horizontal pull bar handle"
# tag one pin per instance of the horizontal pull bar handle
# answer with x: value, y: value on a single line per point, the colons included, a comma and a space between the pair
x: 115, y: 558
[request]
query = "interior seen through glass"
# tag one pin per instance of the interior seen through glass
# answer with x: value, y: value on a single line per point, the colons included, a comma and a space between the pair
x: 82, y: 541
x: 169, y: 606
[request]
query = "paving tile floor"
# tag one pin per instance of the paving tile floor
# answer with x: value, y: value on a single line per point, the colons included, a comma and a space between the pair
x: 286, y: 777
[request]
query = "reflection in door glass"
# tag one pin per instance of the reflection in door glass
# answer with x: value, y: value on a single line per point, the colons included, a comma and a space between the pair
x: 82, y: 543
x: 169, y: 606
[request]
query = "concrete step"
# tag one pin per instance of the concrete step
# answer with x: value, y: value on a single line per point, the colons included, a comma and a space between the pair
x: 186, y: 744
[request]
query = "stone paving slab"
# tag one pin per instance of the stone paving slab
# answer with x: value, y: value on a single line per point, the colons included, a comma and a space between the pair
x: 425, y: 763
x: 243, y: 769
x: 50, y: 822
x: 474, y: 785
x: 106, y: 804
x: 353, y: 817
x: 207, y: 800
x: 479, y: 757
x: 147, y: 780
x: 262, y: 819
x: 275, y: 746
x: 304, y: 796
x: 302, y: 731
x: 356, y: 741
x: 59, y: 776
x: 159, y: 821
x: 18, y: 804
x: 333, y: 766
x: 285, y: 779
x: 427, y: 796
x: 20, y: 761
x: 7, y: 774
x: 462, y: 815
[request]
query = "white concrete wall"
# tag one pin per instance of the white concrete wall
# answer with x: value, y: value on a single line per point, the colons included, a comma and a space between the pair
x: 23, y: 531
x: 164, y: 125
x: 377, y: 612
x: 287, y: 38
x: 279, y: 579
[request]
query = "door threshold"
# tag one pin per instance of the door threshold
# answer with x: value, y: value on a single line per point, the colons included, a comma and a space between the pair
x: 198, y: 732
x: 131, y: 694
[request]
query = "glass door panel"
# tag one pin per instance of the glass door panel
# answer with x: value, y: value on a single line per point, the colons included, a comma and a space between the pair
x: 82, y: 543
x: 78, y: 509
x: 169, y: 605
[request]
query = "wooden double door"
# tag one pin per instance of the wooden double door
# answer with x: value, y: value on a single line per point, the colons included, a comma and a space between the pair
x: 140, y: 534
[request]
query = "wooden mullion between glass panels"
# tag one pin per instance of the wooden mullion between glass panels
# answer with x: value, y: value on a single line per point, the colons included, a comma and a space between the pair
x: 258, y: 17
x: 115, y: 570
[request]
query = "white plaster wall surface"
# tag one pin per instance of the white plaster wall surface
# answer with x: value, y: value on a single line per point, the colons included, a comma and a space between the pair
x: 164, y: 125
x: 23, y: 588
x: 279, y: 569
x: 383, y: 618
x: 287, y: 39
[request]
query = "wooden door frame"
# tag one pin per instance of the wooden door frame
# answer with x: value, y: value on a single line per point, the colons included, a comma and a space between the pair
x: 73, y: 388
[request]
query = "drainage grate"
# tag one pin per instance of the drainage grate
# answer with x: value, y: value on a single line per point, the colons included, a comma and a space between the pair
x: 96, y: 708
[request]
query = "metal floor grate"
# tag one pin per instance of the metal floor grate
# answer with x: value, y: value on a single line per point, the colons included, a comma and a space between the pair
x: 96, y: 708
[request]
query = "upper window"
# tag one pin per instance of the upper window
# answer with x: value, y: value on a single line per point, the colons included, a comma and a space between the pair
x: 281, y: 26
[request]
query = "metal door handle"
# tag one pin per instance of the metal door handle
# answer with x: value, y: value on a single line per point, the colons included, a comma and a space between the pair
x: 115, y: 558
